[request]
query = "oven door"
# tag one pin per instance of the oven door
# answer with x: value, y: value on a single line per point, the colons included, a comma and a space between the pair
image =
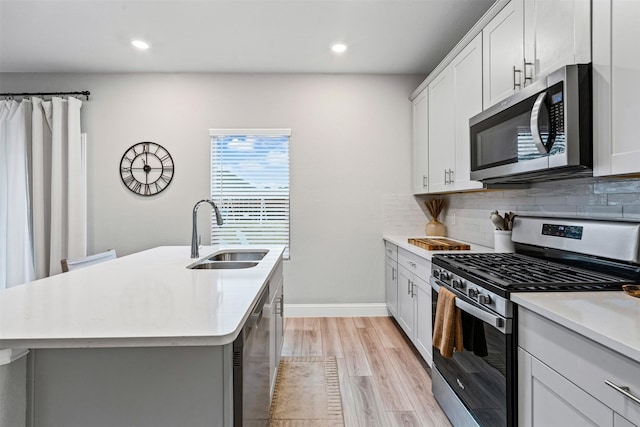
x: 482, y: 376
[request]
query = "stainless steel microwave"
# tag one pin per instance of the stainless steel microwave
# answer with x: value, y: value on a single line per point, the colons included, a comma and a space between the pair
x: 542, y: 132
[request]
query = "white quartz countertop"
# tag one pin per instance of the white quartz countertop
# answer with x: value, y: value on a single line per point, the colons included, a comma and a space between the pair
x: 145, y: 299
x: 610, y: 318
x: 403, y: 242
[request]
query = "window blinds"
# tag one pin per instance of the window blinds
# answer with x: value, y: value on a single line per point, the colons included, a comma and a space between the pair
x: 250, y: 184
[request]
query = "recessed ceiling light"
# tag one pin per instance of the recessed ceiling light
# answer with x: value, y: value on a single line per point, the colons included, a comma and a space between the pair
x: 339, y: 47
x: 142, y: 45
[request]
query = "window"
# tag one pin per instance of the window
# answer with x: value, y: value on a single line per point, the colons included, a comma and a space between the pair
x: 250, y: 184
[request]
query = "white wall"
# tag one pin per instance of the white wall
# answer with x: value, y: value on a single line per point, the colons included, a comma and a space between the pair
x: 350, y: 151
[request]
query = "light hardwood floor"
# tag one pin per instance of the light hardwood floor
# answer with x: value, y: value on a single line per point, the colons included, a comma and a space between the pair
x: 382, y: 381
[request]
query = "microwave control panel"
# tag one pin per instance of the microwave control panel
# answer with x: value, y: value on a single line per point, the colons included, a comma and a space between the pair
x: 556, y: 112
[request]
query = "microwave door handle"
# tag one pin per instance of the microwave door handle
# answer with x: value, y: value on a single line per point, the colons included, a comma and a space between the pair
x: 535, y: 127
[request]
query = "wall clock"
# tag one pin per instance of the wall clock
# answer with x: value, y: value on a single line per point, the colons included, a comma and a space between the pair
x: 146, y: 168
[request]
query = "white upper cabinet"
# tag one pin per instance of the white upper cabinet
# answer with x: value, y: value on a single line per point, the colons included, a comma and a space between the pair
x: 616, y: 86
x: 441, y: 131
x: 529, y: 39
x: 516, y: 43
x: 455, y: 95
x: 467, y: 95
x: 556, y: 33
x: 421, y: 142
x: 503, y: 55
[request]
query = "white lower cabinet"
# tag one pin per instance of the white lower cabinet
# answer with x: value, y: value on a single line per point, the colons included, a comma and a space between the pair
x: 275, y: 311
x: 564, y: 377
x: 552, y: 400
x: 406, y: 306
x: 423, y: 320
x: 391, y: 278
x: 414, y: 301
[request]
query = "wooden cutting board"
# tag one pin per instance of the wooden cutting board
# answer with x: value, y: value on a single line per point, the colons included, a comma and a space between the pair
x: 439, y: 244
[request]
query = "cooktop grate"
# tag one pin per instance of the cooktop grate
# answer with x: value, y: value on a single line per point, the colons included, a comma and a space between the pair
x: 521, y: 272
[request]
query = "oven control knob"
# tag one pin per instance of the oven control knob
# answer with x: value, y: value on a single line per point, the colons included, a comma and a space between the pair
x: 484, y: 299
x: 445, y: 275
x: 457, y: 284
x: 473, y: 293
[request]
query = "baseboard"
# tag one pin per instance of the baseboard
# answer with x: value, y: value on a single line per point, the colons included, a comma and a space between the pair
x: 335, y: 310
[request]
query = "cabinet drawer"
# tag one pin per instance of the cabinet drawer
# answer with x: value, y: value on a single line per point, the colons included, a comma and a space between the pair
x: 391, y: 250
x: 583, y: 362
x: 415, y: 264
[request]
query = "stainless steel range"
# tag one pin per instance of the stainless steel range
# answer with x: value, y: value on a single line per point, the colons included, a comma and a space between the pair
x: 477, y: 387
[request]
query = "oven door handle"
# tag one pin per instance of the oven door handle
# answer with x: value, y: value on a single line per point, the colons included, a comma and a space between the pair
x: 503, y: 325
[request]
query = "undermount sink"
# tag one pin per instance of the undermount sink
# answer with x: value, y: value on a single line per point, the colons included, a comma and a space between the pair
x: 238, y: 256
x: 222, y: 265
x: 229, y: 260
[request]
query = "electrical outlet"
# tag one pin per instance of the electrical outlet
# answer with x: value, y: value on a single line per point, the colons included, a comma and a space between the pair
x: 453, y: 218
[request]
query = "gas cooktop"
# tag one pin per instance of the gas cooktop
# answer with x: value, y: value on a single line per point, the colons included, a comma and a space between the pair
x: 517, y: 272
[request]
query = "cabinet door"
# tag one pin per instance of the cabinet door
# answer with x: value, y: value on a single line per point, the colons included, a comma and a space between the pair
x: 441, y: 130
x: 420, y: 142
x: 625, y: 91
x: 273, y: 364
x: 279, y: 329
x: 423, y: 319
x: 619, y: 421
x: 467, y: 93
x: 547, y: 399
x: 405, y: 302
x: 276, y: 334
x: 616, y: 86
x: 556, y: 33
x: 391, y: 283
x: 502, y: 45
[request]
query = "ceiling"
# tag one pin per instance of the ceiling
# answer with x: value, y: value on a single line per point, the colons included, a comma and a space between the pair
x: 234, y: 36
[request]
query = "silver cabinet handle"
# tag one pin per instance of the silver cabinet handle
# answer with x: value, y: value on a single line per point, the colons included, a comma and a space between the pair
x: 450, y: 176
x: 530, y: 77
x: 413, y: 285
x: 516, y: 71
x: 446, y: 180
x: 389, y: 251
x: 408, y: 287
x: 624, y: 390
x: 535, y: 127
x: 411, y: 264
x: 393, y: 273
x: 425, y: 181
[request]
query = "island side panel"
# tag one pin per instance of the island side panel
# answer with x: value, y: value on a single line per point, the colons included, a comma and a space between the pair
x: 154, y: 387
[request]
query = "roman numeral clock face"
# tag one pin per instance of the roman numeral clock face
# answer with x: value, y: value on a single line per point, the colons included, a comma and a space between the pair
x: 146, y: 168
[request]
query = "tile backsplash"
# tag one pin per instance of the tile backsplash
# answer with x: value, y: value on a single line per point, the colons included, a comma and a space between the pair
x: 467, y: 216
x: 402, y: 215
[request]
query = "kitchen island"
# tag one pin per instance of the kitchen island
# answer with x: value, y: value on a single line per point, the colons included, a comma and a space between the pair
x: 140, y: 340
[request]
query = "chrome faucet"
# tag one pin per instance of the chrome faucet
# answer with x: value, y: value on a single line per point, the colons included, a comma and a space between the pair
x: 195, y: 249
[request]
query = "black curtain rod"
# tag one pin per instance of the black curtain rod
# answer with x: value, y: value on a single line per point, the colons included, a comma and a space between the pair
x: 84, y: 93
